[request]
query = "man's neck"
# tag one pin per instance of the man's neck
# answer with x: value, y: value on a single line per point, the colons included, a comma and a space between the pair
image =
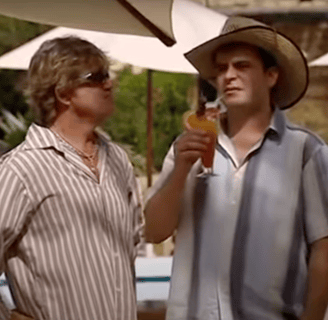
x: 77, y: 132
x: 245, y: 129
x: 247, y: 120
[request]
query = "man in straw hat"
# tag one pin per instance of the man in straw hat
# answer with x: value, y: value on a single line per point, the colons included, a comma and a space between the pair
x: 251, y: 237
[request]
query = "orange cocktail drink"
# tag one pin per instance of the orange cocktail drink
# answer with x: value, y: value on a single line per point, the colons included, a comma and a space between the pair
x: 204, y: 123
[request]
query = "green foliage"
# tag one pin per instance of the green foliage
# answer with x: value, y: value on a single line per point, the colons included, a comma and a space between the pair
x: 13, y: 33
x: 14, y: 128
x: 129, y: 123
x: 168, y: 113
x: 11, y: 97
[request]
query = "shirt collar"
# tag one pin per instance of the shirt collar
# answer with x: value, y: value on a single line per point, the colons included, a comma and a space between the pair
x: 39, y: 137
x: 278, y: 123
x: 276, y: 129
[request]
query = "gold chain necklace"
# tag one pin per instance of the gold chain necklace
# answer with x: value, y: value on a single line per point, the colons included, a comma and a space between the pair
x: 91, y: 160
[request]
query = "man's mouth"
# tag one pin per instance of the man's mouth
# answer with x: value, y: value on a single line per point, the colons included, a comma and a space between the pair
x: 230, y: 90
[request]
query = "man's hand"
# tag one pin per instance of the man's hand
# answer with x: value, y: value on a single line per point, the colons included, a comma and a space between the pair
x: 162, y: 210
x: 18, y: 316
x: 191, y: 146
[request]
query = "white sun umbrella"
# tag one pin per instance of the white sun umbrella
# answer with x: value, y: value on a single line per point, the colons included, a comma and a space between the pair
x: 320, y: 62
x: 139, y: 17
x: 193, y: 24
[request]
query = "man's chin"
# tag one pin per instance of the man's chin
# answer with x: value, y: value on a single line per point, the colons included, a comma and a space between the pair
x: 234, y: 103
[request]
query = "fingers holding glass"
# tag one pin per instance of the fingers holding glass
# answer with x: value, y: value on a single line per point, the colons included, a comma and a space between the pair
x: 192, y: 146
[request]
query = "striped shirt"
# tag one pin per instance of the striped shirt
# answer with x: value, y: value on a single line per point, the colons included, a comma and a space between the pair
x: 68, y: 240
x: 243, y: 238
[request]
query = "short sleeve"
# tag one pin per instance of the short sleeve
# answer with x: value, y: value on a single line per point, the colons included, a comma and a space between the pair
x: 167, y: 168
x: 315, y: 195
x: 15, y: 206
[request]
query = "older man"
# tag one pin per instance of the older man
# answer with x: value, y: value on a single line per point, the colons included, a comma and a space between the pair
x: 70, y: 210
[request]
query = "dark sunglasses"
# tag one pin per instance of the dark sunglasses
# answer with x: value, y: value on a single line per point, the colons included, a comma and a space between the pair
x: 97, y: 77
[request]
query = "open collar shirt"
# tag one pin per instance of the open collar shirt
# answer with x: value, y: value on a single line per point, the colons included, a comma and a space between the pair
x: 244, y: 233
x: 68, y: 240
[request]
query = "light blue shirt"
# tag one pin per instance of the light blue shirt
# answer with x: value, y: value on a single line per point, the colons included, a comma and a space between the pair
x: 241, y: 249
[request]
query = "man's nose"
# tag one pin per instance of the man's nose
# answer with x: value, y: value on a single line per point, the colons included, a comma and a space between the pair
x: 108, y: 84
x: 231, y: 72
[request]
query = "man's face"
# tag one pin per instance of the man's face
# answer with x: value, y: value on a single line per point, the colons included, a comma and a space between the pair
x: 242, y: 79
x: 93, y: 97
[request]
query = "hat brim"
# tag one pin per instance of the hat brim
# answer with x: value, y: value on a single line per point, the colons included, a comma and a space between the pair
x: 293, y: 70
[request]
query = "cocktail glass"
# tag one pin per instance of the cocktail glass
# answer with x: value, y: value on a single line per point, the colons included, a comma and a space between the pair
x: 207, y: 123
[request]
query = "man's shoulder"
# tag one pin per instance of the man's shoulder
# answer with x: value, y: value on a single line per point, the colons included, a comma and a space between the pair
x: 113, y: 147
x: 118, y: 151
x: 11, y: 163
x: 10, y: 155
x: 310, y: 135
x: 313, y: 143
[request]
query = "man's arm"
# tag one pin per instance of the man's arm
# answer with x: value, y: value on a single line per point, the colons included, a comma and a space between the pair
x: 317, y: 294
x: 162, y: 210
x: 5, y: 313
x: 315, y: 182
x: 14, y: 205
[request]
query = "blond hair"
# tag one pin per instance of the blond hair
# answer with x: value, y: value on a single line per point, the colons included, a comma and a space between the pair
x: 58, y: 65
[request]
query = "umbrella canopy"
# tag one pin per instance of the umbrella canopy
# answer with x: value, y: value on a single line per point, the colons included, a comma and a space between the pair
x: 193, y: 24
x: 320, y: 62
x: 139, y: 17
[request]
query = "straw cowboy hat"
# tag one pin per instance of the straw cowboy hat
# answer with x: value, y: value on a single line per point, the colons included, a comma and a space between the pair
x: 293, y: 70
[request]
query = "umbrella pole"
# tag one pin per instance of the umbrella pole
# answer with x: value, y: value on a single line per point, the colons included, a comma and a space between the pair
x: 156, y: 31
x: 200, y: 98
x: 149, y: 127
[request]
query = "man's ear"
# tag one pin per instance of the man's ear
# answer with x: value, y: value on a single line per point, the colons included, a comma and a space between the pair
x: 273, y: 74
x: 63, y: 97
